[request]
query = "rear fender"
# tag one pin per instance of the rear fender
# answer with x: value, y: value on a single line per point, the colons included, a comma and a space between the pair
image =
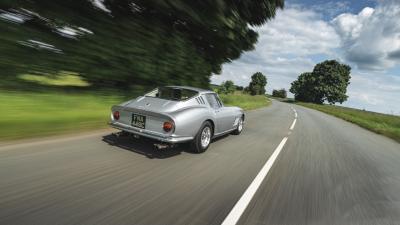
x: 189, y: 120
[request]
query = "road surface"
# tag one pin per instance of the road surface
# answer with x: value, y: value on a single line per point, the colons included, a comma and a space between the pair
x: 327, y: 172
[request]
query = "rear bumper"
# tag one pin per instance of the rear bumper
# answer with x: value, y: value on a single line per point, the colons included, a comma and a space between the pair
x: 150, y: 134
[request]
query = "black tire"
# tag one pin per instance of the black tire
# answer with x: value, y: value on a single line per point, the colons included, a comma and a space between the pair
x: 239, y: 130
x: 196, y: 145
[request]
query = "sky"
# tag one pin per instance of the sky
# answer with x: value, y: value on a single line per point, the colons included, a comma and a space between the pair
x: 364, y: 34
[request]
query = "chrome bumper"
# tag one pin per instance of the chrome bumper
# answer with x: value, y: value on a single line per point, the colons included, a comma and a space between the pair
x: 150, y: 134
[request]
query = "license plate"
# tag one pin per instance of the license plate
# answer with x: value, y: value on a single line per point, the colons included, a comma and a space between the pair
x: 138, y: 121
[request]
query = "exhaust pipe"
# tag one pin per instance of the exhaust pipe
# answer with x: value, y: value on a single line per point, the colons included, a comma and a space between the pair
x: 120, y: 134
x: 162, y: 146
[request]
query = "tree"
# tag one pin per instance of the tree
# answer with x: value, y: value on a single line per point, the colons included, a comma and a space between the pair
x: 257, y: 84
x: 129, y: 42
x: 328, y: 82
x: 279, y: 93
x: 227, y: 87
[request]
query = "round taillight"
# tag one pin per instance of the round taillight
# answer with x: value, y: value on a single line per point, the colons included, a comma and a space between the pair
x: 168, y: 126
x: 116, y: 115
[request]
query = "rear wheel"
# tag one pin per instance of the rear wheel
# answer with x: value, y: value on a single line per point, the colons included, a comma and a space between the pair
x: 203, y: 138
x: 239, y: 127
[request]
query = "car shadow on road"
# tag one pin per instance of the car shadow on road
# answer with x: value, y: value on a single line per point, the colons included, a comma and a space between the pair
x: 145, y: 146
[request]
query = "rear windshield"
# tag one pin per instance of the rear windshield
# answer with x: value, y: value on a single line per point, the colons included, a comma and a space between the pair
x: 172, y: 93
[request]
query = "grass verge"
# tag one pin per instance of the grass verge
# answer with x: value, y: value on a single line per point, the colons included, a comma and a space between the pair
x: 387, y: 125
x: 33, y: 114
x: 244, y: 101
x: 28, y: 115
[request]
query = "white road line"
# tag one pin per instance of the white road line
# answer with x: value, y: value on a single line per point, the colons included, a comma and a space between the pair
x: 293, y: 124
x: 237, y: 211
x: 295, y: 118
x: 240, y: 206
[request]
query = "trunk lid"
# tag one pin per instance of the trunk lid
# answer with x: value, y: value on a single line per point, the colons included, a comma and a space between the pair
x: 152, y: 104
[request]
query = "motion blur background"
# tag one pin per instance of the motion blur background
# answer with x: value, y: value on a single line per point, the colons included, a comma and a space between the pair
x: 64, y: 63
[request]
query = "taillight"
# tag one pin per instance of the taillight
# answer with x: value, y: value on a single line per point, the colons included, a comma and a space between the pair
x: 116, y: 115
x: 168, y: 126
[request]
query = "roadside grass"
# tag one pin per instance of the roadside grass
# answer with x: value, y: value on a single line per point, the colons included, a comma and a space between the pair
x: 387, y: 125
x: 245, y: 101
x: 30, y: 114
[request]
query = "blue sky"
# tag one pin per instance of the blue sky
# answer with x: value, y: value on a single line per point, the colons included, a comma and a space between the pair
x: 364, y: 34
x: 334, y: 8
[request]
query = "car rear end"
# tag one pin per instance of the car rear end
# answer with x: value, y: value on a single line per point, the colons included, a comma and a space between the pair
x: 145, y: 123
x: 149, y: 115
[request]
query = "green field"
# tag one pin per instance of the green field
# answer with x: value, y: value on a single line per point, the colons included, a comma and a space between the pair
x: 246, y: 102
x: 388, y: 125
x: 32, y: 114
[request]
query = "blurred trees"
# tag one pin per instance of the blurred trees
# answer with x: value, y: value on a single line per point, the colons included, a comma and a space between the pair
x: 328, y: 82
x: 129, y: 42
x: 279, y: 93
x: 257, y: 84
x: 239, y: 88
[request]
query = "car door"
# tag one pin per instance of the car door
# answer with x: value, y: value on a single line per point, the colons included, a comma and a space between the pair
x: 223, y: 116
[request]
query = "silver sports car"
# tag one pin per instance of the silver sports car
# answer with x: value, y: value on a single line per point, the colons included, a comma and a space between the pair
x: 175, y: 114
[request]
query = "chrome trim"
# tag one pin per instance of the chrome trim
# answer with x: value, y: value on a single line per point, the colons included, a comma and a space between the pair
x: 222, y: 133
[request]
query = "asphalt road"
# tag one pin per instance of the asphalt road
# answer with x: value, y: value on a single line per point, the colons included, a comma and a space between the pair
x: 328, y: 172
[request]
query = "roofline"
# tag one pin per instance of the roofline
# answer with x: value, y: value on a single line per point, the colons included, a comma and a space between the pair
x: 200, y: 90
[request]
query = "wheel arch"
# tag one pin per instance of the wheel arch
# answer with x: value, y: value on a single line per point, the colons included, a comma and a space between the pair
x: 212, y: 125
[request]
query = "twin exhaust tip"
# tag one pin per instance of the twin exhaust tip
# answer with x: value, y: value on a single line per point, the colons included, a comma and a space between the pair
x: 158, y: 146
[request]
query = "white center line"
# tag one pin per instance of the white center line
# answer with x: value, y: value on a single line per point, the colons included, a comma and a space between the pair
x: 240, y: 206
x: 293, y: 124
x: 237, y: 211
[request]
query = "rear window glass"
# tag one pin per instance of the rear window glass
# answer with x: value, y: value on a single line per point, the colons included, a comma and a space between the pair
x: 171, y: 93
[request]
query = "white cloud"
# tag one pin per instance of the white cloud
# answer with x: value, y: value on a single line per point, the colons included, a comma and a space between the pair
x: 380, y: 93
x: 371, y: 38
x: 283, y: 48
x: 296, y: 31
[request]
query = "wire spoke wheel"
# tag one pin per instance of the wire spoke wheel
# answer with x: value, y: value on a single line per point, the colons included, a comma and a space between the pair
x: 240, y: 125
x: 205, y: 137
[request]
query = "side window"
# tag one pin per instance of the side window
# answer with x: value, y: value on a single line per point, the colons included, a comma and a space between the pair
x: 213, y: 101
x: 218, y: 100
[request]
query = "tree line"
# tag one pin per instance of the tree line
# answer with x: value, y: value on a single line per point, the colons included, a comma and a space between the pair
x: 256, y: 86
x: 327, y: 82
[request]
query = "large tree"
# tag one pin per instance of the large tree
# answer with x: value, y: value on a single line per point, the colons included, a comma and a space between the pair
x: 257, y: 84
x: 328, y: 82
x: 125, y: 42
